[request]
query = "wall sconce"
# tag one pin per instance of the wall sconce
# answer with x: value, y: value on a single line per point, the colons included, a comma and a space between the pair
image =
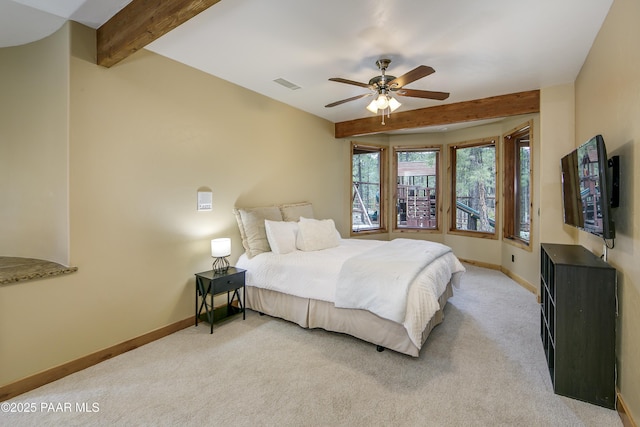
x: 220, y: 250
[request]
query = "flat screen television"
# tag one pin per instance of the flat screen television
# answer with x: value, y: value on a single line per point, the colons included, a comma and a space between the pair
x: 586, y: 189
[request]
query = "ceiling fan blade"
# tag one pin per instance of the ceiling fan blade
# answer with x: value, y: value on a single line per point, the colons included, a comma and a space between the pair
x: 440, y: 96
x: 350, y: 82
x: 413, y: 75
x: 353, y: 98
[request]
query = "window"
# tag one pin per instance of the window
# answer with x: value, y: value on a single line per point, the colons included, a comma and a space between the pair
x: 517, y: 184
x: 417, y: 200
x: 473, y: 185
x: 367, y: 188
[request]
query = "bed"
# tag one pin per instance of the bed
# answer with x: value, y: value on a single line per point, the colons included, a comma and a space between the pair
x: 300, y: 269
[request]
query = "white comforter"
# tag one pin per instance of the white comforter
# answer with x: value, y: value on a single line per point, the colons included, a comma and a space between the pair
x: 315, y: 275
x: 378, y: 280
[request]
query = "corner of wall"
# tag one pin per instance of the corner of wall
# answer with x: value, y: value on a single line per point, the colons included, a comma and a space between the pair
x: 83, y: 42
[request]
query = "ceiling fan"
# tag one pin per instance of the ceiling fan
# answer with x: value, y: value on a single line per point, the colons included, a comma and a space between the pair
x: 383, y: 85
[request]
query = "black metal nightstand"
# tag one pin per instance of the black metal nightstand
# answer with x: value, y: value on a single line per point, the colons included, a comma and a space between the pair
x: 210, y: 283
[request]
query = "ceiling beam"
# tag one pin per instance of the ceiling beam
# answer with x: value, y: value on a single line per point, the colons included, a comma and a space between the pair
x: 479, y: 109
x: 141, y: 22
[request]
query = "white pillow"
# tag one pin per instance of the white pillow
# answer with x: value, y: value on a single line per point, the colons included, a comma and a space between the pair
x: 281, y: 235
x: 315, y: 234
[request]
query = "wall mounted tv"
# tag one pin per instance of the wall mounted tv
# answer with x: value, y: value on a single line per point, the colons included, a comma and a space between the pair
x: 587, y: 189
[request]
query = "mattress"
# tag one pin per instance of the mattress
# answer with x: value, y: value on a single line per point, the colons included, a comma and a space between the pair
x: 301, y: 287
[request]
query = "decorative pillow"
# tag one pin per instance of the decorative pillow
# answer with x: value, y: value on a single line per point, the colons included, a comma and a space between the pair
x: 293, y: 211
x: 281, y: 235
x: 252, y: 231
x: 314, y: 234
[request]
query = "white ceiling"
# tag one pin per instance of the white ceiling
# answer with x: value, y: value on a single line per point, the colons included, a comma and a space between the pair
x: 478, y: 48
x: 25, y: 21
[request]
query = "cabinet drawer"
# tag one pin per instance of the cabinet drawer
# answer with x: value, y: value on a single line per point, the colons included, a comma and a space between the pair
x: 228, y: 283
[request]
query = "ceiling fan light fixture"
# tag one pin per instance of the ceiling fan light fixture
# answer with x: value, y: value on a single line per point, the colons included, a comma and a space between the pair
x: 373, y: 106
x: 393, y: 104
x: 382, y: 102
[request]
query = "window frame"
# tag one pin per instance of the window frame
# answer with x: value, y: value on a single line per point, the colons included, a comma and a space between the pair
x: 383, y: 173
x: 438, y: 189
x: 511, y: 187
x: 495, y: 141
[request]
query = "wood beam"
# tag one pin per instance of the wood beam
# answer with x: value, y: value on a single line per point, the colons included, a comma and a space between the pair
x: 479, y: 109
x: 141, y: 22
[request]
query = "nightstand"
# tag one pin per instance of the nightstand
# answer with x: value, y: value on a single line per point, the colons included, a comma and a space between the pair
x: 210, y: 284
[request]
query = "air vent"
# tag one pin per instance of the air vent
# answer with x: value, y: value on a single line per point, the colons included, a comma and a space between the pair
x: 287, y: 84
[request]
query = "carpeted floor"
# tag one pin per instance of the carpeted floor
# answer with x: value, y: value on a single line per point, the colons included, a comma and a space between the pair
x: 484, y: 366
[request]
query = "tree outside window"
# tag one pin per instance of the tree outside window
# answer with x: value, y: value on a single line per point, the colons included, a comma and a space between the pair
x: 517, y: 184
x: 367, y: 188
x: 474, y: 184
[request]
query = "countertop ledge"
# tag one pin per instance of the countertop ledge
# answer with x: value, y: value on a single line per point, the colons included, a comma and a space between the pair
x: 14, y: 269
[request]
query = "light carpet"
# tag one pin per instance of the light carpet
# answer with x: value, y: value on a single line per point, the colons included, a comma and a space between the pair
x: 484, y: 366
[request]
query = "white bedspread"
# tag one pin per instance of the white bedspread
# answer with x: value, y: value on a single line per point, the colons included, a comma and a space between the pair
x: 315, y: 275
x: 422, y: 302
x: 304, y: 274
x: 378, y: 280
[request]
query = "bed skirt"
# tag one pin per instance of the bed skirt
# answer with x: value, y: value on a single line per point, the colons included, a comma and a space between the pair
x: 310, y: 313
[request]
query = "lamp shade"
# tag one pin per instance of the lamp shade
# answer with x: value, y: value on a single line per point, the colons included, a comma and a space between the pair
x: 221, y: 247
x: 382, y: 101
x: 393, y: 104
x: 373, y: 107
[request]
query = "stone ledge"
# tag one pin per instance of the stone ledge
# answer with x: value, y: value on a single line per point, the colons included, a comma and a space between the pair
x: 14, y: 269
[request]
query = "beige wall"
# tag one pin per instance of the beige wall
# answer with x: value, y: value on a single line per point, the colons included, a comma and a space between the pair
x: 557, y: 138
x: 144, y: 136
x: 34, y: 149
x: 608, y: 103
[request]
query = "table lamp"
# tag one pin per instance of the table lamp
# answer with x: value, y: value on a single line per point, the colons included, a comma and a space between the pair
x: 220, y: 250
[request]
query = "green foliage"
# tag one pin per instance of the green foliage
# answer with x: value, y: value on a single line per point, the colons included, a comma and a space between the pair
x: 476, y: 185
x: 428, y: 157
x: 365, y: 171
x: 474, y: 165
x: 366, y: 167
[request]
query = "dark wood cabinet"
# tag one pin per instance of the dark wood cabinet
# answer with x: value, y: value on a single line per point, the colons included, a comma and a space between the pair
x: 577, y: 323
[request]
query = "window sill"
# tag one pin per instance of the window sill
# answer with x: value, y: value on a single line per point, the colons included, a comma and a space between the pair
x: 417, y: 230
x: 478, y: 234
x: 518, y: 243
x: 365, y: 232
x: 14, y: 269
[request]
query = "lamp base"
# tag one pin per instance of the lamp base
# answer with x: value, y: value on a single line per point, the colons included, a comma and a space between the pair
x: 220, y: 265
